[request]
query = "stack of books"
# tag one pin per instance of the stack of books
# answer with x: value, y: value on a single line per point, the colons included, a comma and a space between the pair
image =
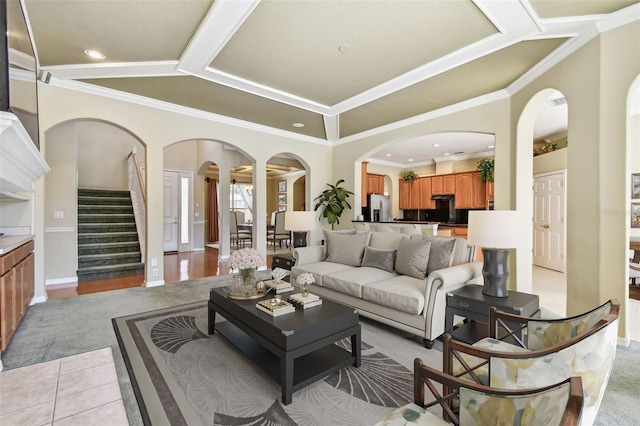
x: 304, y: 302
x: 274, y: 309
x: 279, y: 286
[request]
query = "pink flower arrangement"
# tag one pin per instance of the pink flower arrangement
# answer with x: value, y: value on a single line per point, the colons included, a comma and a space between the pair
x: 305, y: 278
x: 247, y: 258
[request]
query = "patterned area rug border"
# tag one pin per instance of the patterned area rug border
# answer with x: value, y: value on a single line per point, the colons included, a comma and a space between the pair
x: 180, y: 375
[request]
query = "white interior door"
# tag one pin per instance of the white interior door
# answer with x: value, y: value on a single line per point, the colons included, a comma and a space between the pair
x: 170, y: 210
x: 548, y: 221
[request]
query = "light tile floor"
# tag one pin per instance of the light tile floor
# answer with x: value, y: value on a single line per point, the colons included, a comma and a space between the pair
x: 551, y: 287
x: 77, y: 390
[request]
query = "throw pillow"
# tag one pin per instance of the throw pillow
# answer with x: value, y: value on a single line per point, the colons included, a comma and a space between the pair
x: 347, y: 249
x: 379, y: 258
x: 441, y: 255
x: 326, y: 239
x: 412, y: 258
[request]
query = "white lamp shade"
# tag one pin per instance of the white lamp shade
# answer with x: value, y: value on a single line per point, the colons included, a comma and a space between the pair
x: 299, y: 221
x: 496, y: 228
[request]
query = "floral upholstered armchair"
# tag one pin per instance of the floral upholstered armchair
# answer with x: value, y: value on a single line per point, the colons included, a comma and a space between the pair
x: 479, y: 405
x: 550, y: 351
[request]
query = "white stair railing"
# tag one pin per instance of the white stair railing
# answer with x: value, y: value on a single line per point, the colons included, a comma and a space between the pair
x: 136, y: 188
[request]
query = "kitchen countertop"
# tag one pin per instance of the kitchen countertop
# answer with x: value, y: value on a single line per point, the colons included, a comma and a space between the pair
x: 12, y: 242
x: 417, y: 222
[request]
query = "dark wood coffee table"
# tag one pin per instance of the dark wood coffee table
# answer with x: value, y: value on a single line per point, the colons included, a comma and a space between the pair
x: 294, y: 349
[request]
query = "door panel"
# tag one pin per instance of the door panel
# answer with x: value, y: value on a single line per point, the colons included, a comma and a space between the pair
x: 548, y: 221
x: 170, y: 211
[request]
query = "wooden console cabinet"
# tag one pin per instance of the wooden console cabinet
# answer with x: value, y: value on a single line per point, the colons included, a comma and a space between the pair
x: 17, y: 286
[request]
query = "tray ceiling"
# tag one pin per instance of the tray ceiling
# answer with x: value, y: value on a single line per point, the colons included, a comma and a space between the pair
x: 338, y: 67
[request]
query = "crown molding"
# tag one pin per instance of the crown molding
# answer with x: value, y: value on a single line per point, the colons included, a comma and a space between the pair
x: 179, y: 109
x: 619, y: 18
x: 114, y: 70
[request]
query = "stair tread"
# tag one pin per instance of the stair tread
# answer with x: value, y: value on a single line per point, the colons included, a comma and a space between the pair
x: 93, y: 245
x: 108, y: 255
x: 110, y: 233
x: 107, y: 267
x: 108, y: 224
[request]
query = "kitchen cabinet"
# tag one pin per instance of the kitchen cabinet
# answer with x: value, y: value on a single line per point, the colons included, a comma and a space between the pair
x: 464, y: 188
x: 443, y: 185
x: 363, y: 184
x: 409, y: 194
x: 17, y: 286
x: 403, y: 194
x: 479, y: 192
x: 425, y: 194
x: 470, y: 191
x: 375, y: 184
x: 414, y: 197
x: 459, y: 232
x: 489, y: 191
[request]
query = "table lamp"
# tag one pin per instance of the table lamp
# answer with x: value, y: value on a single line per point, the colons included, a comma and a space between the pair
x: 299, y: 223
x: 495, y: 231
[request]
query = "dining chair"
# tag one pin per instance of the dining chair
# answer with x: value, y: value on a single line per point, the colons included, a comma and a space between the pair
x: 237, y: 235
x: 278, y: 233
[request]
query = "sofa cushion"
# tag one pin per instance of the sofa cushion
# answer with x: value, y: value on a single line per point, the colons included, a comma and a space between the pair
x: 379, y: 258
x: 318, y: 269
x: 347, y: 249
x: 441, y: 255
x: 386, y: 240
x: 352, y: 281
x: 413, y: 257
x: 402, y: 293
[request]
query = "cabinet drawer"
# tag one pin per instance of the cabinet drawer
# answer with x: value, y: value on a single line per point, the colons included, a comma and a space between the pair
x: 468, y: 305
x: 7, y: 262
x: 23, y: 251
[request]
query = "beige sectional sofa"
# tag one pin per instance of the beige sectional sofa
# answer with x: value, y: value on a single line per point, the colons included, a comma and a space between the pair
x: 397, y: 279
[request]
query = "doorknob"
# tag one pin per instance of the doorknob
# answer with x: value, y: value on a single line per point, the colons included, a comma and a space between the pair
x: 545, y: 226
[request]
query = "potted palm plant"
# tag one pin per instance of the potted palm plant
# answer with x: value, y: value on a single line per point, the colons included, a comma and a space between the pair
x: 332, y: 201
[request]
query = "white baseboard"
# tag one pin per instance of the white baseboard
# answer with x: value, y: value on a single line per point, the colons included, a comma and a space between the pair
x: 624, y: 341
x: 154, y: 283
x: 198, y: 249
x: 39, y: 299
x: 68, y: 280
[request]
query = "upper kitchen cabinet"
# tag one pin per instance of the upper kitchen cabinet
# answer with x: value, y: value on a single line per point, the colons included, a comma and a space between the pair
x: 470, y: 191
x: 425, y: 194
x: 409, y: 193
x: 375, y: 184
x: 443, y: 185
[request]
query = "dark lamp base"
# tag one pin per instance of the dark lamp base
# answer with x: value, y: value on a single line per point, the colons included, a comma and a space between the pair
x: 299, y: 239
x: 495, y: 272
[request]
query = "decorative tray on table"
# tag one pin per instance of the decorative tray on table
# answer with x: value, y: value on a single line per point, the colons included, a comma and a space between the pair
x: 246, y: 292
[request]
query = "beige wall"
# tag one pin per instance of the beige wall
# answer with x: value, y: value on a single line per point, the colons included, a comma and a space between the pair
x: 102, y: 155
x: 157, y: 129
x: 552, y: 161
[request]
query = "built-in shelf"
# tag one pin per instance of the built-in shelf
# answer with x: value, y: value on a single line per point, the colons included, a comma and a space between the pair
x: 21, y: 164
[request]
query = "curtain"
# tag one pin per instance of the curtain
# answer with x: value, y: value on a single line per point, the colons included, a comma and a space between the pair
x: 213, y: 210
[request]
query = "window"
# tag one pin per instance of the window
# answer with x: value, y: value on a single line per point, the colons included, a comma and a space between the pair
x: 242, y: 200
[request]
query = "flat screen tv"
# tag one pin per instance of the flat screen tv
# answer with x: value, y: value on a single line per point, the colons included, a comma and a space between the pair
x: 18, y: 71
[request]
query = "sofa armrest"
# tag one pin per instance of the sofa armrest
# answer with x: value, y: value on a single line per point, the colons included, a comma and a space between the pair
x: 310, y: 254
x: 450, y: 278
x: 439, y: 283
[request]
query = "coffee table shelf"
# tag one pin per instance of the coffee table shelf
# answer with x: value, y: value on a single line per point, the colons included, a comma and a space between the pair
x: 307, y: 369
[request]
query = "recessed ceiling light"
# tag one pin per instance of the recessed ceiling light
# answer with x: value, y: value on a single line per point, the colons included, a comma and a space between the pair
x: 298, y: 124
x: 446, y: 153
x: 436, y: 145
x: 388, y: 155
x: 94, y: 54
x: 410, y: 159
x: 490, y: 146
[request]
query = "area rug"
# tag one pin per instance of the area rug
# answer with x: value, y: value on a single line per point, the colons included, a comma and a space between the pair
x: 183, y: 376
x: 270, y: 249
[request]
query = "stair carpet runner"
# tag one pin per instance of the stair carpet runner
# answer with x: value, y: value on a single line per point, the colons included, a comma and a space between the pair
x: 108, y: 244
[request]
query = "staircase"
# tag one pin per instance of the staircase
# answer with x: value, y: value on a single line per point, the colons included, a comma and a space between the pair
x: 108, y: 244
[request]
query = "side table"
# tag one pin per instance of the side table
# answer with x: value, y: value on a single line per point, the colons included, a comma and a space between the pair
x: 469, y: 302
